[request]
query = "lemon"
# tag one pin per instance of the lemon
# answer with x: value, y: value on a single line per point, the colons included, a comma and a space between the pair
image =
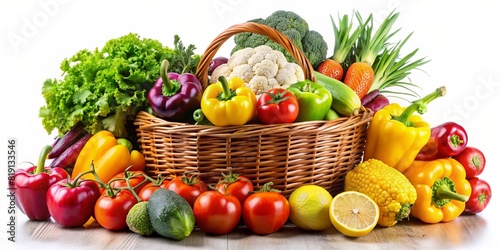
x: 353, y: 213
x: 309, y: 207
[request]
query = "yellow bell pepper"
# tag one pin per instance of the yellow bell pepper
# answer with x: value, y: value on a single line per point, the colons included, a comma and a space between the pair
x: 109, y: 156
x: 395, y: 135
x: 442, y: 189
x: 227, y: 103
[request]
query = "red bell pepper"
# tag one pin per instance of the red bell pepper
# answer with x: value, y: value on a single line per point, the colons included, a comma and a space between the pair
x: 71, y: 202
x: 473, y: 161
x: 32, y: 184
x: 447, y: 139
x: 480, y: 196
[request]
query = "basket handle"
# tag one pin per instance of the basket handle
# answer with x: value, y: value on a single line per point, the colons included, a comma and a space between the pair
x: 273, y: 34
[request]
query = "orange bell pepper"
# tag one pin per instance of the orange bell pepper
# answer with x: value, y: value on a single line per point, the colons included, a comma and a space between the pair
x: 108, y: 154
x: 442, y: 189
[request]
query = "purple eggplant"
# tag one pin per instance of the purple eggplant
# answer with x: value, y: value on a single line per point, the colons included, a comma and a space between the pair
x: 68, y: 139
x: 216, y: 62
x: 175, y: 96
x: 377, y: 103
x: 69, y: 156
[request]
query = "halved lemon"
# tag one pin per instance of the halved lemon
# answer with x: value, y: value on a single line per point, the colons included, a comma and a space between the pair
x: 353, y: 213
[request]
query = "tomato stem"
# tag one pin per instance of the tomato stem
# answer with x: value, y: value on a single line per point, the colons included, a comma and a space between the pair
x: 267, y: 188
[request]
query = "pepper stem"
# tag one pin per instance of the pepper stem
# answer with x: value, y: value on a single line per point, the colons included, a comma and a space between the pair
x: 227, y: 93
x: 40, y: 167
x: 164, y: 75
x: 420, y: 106
x: 455, y: 141
x: 169, y: 87
x: 444, y: 191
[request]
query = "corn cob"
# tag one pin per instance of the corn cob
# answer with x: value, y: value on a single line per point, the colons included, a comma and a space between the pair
x: 390, y: 189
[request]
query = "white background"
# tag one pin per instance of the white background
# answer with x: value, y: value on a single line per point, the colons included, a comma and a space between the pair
x: 461, y: 38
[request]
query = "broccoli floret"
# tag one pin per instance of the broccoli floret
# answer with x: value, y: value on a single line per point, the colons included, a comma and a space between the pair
x: 294, y: 27
x: 314, y: 47
x: 284, y: 20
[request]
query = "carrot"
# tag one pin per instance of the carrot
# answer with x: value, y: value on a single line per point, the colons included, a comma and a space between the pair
x: 360, y: 74
x: 344, y: 42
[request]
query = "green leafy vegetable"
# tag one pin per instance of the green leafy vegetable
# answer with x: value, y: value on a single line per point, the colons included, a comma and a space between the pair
x: 104, y: 89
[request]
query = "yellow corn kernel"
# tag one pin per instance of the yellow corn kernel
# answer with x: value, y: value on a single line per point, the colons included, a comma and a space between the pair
x: 389, y: 188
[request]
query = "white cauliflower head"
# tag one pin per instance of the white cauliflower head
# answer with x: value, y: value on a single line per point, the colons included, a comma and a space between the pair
x: 261, y: 68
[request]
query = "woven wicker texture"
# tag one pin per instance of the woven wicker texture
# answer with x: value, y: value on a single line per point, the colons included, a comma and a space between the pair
x: 289, y: 155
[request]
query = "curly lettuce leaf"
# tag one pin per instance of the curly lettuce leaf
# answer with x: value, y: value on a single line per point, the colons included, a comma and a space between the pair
x: 103, y: 89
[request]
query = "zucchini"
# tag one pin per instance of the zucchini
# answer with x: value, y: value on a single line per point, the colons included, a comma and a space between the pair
x: 345, y: 101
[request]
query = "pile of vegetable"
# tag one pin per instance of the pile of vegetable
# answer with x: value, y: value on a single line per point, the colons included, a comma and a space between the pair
x: 367, y: 61
x: 103, y: 89
x: 292, y: 26
x: 410, y: 170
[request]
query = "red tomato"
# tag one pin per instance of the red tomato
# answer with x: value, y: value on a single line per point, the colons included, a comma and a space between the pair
x: 151, y: 187
x: 235, y: 185
x: 137, y: 180
x: 216, y: 213
x: 266, y: 211
x: 111, y: 211
x: 188, y: 187
x: 277, y: 106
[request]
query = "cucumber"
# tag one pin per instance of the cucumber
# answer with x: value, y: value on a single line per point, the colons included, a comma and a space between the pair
x: 345, y: 101
x: 170, y: 215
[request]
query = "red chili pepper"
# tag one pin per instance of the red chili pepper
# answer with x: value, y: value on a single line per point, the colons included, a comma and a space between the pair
x: 473, y: 161
x: 71, y: 202
x: 447, y: 139
x: 480, y: 196
x: 32, y: 184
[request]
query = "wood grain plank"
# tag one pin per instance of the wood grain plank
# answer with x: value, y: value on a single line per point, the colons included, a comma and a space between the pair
x: 466, y: 232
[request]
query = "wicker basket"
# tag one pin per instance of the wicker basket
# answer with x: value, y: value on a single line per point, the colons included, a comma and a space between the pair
x: 289, y: 155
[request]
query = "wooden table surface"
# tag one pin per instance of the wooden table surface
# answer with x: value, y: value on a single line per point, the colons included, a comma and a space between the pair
x: 466, y: 232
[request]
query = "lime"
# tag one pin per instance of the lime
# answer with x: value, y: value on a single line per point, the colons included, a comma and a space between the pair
x: 309, y: 207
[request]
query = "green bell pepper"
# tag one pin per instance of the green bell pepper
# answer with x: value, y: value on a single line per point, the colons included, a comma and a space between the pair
x: 314, y: 100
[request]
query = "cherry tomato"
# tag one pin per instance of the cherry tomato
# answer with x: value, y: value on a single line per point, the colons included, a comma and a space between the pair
x: 277, y: 106
x: 137, y: 180
x: 188, y: 187
x: 265, y: 211
x: 111, y: 211
x: 151, y: 187
x: 216, y: 213
x: 236, y: 185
